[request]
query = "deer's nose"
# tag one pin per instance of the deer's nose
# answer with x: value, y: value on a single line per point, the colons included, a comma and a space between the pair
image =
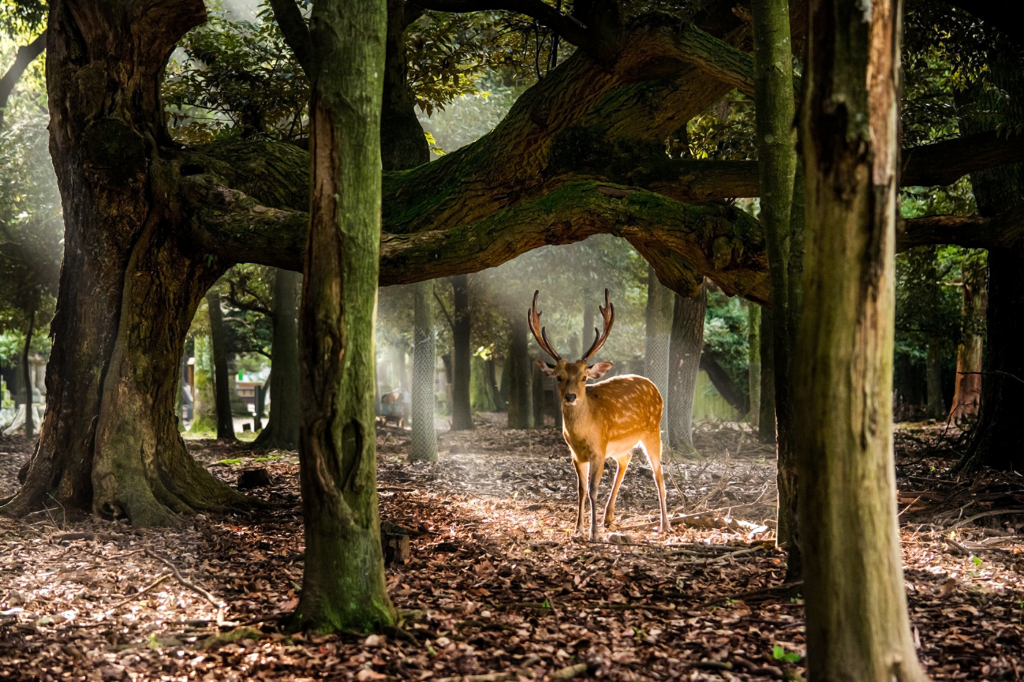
x: 570, y: 397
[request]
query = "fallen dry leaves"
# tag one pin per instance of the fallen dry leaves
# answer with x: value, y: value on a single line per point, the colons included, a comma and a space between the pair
x: 496, y: 587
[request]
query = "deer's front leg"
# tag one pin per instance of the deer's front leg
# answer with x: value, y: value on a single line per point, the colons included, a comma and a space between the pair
x: 581, y: 491
x: 596, y: 471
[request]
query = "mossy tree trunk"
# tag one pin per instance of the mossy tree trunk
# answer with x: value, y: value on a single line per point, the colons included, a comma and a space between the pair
x: 684, y: 366
x: 343, y: 583
x: 282, y: 429
x: 754, y: 362
x: 131, y: 278
x: 204, y: 405
x: 462, y: 413
x: 424, y: 360
x: 221, y: 383
x: 858, y: 627
x: 776, y: 153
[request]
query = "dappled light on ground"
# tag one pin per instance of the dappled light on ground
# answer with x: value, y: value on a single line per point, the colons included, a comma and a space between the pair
x: 496, y: 584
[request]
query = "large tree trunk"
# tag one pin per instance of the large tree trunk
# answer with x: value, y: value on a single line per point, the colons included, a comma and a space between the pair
x: 424, y: 361
x: 221, y: 383
x: 462, y: 413
x: 933, y: 377
x: 857, y: 623
x: 684, y: 366
x: 776, y: 155
x: 283, y: 426
x: 128, y: 289
x: 754, y: 362
x: 998, y: 436
x: 967, y: 393
x: 26, y: 368
x: 491, y: 379
x: 343, y: 584
x: 658, y: 338
x: 520, y: 392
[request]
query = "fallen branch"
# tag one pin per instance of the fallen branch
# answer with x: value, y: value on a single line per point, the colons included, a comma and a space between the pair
x: 775, y: 591
x: 991, y: 512
x: 143, y: 591
x: 569, y: 671
x: 177, y: 576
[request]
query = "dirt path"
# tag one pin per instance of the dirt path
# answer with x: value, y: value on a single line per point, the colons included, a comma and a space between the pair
x: 496, y: 584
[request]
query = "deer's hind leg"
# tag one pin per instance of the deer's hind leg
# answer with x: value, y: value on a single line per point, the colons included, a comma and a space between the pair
x: 622, y: 461
x: 652, y: 446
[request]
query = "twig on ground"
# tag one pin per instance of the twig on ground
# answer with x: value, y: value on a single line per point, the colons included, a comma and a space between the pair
x: 991, y: 512
x: 177, y: 576
x: 143, y: 591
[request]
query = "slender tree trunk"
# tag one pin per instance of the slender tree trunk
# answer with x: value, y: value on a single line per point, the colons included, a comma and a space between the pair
x: 776, y: 154
x: 537, y: 381
x: 933, y: 365
x: 766, y: 420
x: 967, y: 394
x: 858, y: 627
x: 221, y: 384
x: 658, y: 338
x: 462, y: 413
x: 492, y: 382
x: 424, y: 438
x: 754, y: 362
x: 520, y: 393
x: 283, y: 425
x: 684, y: 365
x: 27, y: 369
x: 998, y: 437
x: 343, y: 583
x: 204, y: 405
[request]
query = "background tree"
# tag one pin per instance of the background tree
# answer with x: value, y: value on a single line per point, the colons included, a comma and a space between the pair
x: 424, y: 437
x: 462, y: 418
x: 684, y: 364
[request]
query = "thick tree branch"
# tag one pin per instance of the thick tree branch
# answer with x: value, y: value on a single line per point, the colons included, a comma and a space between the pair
x: 569, y: 28
x: 296, y: 33
x: 943, y: 163
x: 26, y: 54
x: 716, y: 57
x: 975, y: 232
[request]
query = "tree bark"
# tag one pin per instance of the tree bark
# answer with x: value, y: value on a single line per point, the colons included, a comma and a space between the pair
x: 221, y: 384
x: 766, y: 418
x: 967, y: 394
x: 658, y: 338
x: 204, y: 406
x: 343, y: 583
x: 754, y: 362
x: 776, y: 154
x: 500, y: 405
x: 424, y: 360
x: 858, y: 627
x: 684, y: 364
x: 282, y: 430
x: 933, y: 364
x: 520, y: 392
x: 26, y: 368
x: 129, y: 283
x: 462, y: 413
x: 998, y: 437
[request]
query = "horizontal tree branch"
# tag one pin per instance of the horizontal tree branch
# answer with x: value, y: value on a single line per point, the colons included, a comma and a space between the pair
x: 975, y: 232
x: 568, y: 27
x: 943, y: 163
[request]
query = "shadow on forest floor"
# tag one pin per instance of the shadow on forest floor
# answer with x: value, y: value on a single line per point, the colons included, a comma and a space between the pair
x: 496, y: 586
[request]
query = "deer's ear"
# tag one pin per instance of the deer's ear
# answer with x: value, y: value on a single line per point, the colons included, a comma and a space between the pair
x: 599, y: 370
x: 548, y: 370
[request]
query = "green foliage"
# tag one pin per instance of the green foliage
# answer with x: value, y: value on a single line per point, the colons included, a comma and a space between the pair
x: 779, y: 653
x: 22, y: 16
x: 725, y: 335
x: 725, y: 131
x: 236, y: 78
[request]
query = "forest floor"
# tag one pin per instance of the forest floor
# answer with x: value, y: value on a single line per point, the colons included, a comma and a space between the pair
x: 497, y: 588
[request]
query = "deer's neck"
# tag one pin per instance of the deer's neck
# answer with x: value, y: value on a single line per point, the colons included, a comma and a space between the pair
x: 577, y: 414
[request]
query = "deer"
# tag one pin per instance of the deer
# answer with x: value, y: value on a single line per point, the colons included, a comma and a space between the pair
x: 605, y: 419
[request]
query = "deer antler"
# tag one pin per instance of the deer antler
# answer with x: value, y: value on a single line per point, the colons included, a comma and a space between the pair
x: 608, y: 313
x: 538, y: 332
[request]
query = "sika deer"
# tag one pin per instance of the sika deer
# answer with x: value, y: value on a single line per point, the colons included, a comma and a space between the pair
x: 606, y: 419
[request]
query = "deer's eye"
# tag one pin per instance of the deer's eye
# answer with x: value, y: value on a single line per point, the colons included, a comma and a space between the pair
x: 559, y: 379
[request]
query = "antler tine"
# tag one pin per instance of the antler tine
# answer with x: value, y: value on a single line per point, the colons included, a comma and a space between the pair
x: 538, y: 332
x: 608, y: 314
